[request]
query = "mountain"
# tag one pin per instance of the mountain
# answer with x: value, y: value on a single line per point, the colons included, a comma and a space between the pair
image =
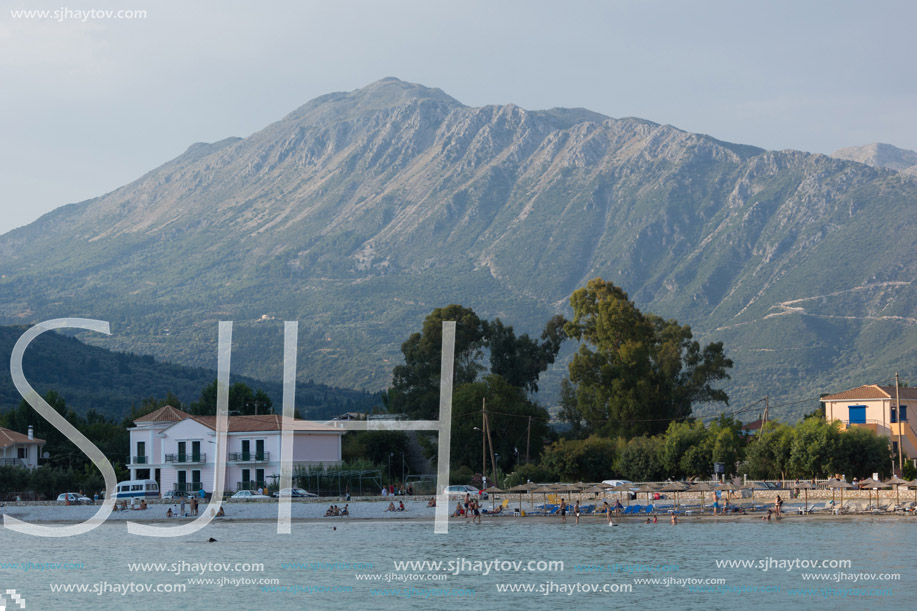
x: 878, y: 155
x: 360, y: 212
x: 89, y: 377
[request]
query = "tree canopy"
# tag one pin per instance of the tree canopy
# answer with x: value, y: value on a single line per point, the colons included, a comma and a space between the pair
x: 634, y: 373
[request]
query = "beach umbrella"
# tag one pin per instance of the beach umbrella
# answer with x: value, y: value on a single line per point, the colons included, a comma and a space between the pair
x: 649, y: 488
x: 896, y: 482
x: 491, y: 491
x: 872, y: 484
x: 675, y: 487
x: 702, y: 487
x: 750, y: 486
x: 522, y: 489
x: 913, y: 484
x: 544, y: 490
x: 838, y: 485
x: 805, y: 486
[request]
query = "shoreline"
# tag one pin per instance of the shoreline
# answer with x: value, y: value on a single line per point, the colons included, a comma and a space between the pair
x: 365, y: 511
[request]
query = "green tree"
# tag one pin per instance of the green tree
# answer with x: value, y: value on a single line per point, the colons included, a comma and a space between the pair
x: 640, y: 460
x: 415, y: 385
x: 591, y: 459
x: 767, y: 455
x: 634, y: 372
x: 509, y: 413
x: 242, y: 401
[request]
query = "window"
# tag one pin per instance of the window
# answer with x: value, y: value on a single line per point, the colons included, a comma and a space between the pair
x: 23, y: 453
x: 259, y: 450
x: 894, y: 415
x: 196, y: 451
x: 182, y: 456
x: 246, y: 449
x: 857, y: 414
x: 902, y: 411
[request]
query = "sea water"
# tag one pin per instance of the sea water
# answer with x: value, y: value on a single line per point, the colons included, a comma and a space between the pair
x: 504, y: 563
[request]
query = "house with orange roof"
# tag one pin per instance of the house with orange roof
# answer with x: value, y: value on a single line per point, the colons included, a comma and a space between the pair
x: 178, y: 449
x: 19, y: 450
x: 882, y: 409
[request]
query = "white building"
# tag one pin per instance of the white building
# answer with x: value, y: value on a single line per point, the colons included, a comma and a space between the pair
x: 177, y: 449
x: 19, y: 450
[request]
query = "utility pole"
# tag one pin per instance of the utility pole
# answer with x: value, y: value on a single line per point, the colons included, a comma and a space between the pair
x: 900, y: 424
x: 764, y: 419
x: 528, y: 441
x: 493, y: 459
x: 484, y: 441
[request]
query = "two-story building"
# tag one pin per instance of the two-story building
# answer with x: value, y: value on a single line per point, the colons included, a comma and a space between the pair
x: 178, y: 449
x: 880, y: 409
x: 19, y: 450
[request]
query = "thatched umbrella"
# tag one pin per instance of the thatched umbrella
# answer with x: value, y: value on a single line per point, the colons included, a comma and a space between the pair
x: 649, y: 488
x: 491, y: 491
x: 872, y: 484
x: 544, y: 490
x: 675, y: 487
x: 522, y: 489
x: 913, y: 484
x: 896, y: 482
x: 838, y: 485
x: 805, y: 486
x: 702, y: 487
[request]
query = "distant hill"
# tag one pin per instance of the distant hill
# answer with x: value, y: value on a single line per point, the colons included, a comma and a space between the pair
x: 360, y: 212
x: 880, y: 155
x: 111, y: 382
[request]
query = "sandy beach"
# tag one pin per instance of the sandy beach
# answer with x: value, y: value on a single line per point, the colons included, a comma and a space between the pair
x: 375, y: 509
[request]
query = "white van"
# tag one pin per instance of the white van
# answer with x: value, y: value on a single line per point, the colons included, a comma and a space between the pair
x: 137, y: 488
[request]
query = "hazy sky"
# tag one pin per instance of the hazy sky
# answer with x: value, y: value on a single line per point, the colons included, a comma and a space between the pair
x: 87, y: 106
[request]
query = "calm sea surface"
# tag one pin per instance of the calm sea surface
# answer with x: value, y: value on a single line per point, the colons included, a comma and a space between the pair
x: 869, y: 564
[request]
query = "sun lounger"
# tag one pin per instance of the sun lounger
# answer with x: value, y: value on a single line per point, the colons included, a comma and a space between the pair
x: 649, y: 509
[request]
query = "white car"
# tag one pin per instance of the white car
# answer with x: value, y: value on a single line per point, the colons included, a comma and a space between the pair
x: 293, y: 492
x: 75, y: 498
x: 461, y: 491
x: 615, y: 483
x: 248, y: 494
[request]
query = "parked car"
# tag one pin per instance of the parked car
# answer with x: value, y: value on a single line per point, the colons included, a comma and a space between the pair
x: 248, y: 494
x: 461, y: 491
x: 292, y: 492
x: 75, y: 498
x: 175, y: 495
x: 614, y: 483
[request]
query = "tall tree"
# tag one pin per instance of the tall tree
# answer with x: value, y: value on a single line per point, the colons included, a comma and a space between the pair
x: 634, y: 372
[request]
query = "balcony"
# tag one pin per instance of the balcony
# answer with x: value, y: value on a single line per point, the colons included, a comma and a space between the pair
x: 250, y: 485
x: 187, y: 487
x: 139, y: 460
x: 249, y: 457
x: 186, y: 458
x: 13, y: 462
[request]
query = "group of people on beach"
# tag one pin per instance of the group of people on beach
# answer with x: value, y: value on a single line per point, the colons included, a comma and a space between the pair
x: 401, y: 490
x: 391, y: 506
x: 334, y: 511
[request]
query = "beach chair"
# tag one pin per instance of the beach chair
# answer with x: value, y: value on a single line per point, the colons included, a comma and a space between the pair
x: 648, y: 510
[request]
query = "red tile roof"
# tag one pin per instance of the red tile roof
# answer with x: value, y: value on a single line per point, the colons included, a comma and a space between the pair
x: 164, y: 414
x: 250, y: 424
x: 873, y: 391
x: 10, y: 438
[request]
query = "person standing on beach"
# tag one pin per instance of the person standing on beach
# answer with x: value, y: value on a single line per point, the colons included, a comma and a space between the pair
x: 778, y: 503
x: 576, y: 510
x: 674, y: 519
x: 563, y: 511
x: 182, y: 506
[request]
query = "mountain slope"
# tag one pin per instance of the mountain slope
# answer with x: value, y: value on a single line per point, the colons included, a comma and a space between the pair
x: 359, y: 212
x: 90, y: 377
x: 879, y: 155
